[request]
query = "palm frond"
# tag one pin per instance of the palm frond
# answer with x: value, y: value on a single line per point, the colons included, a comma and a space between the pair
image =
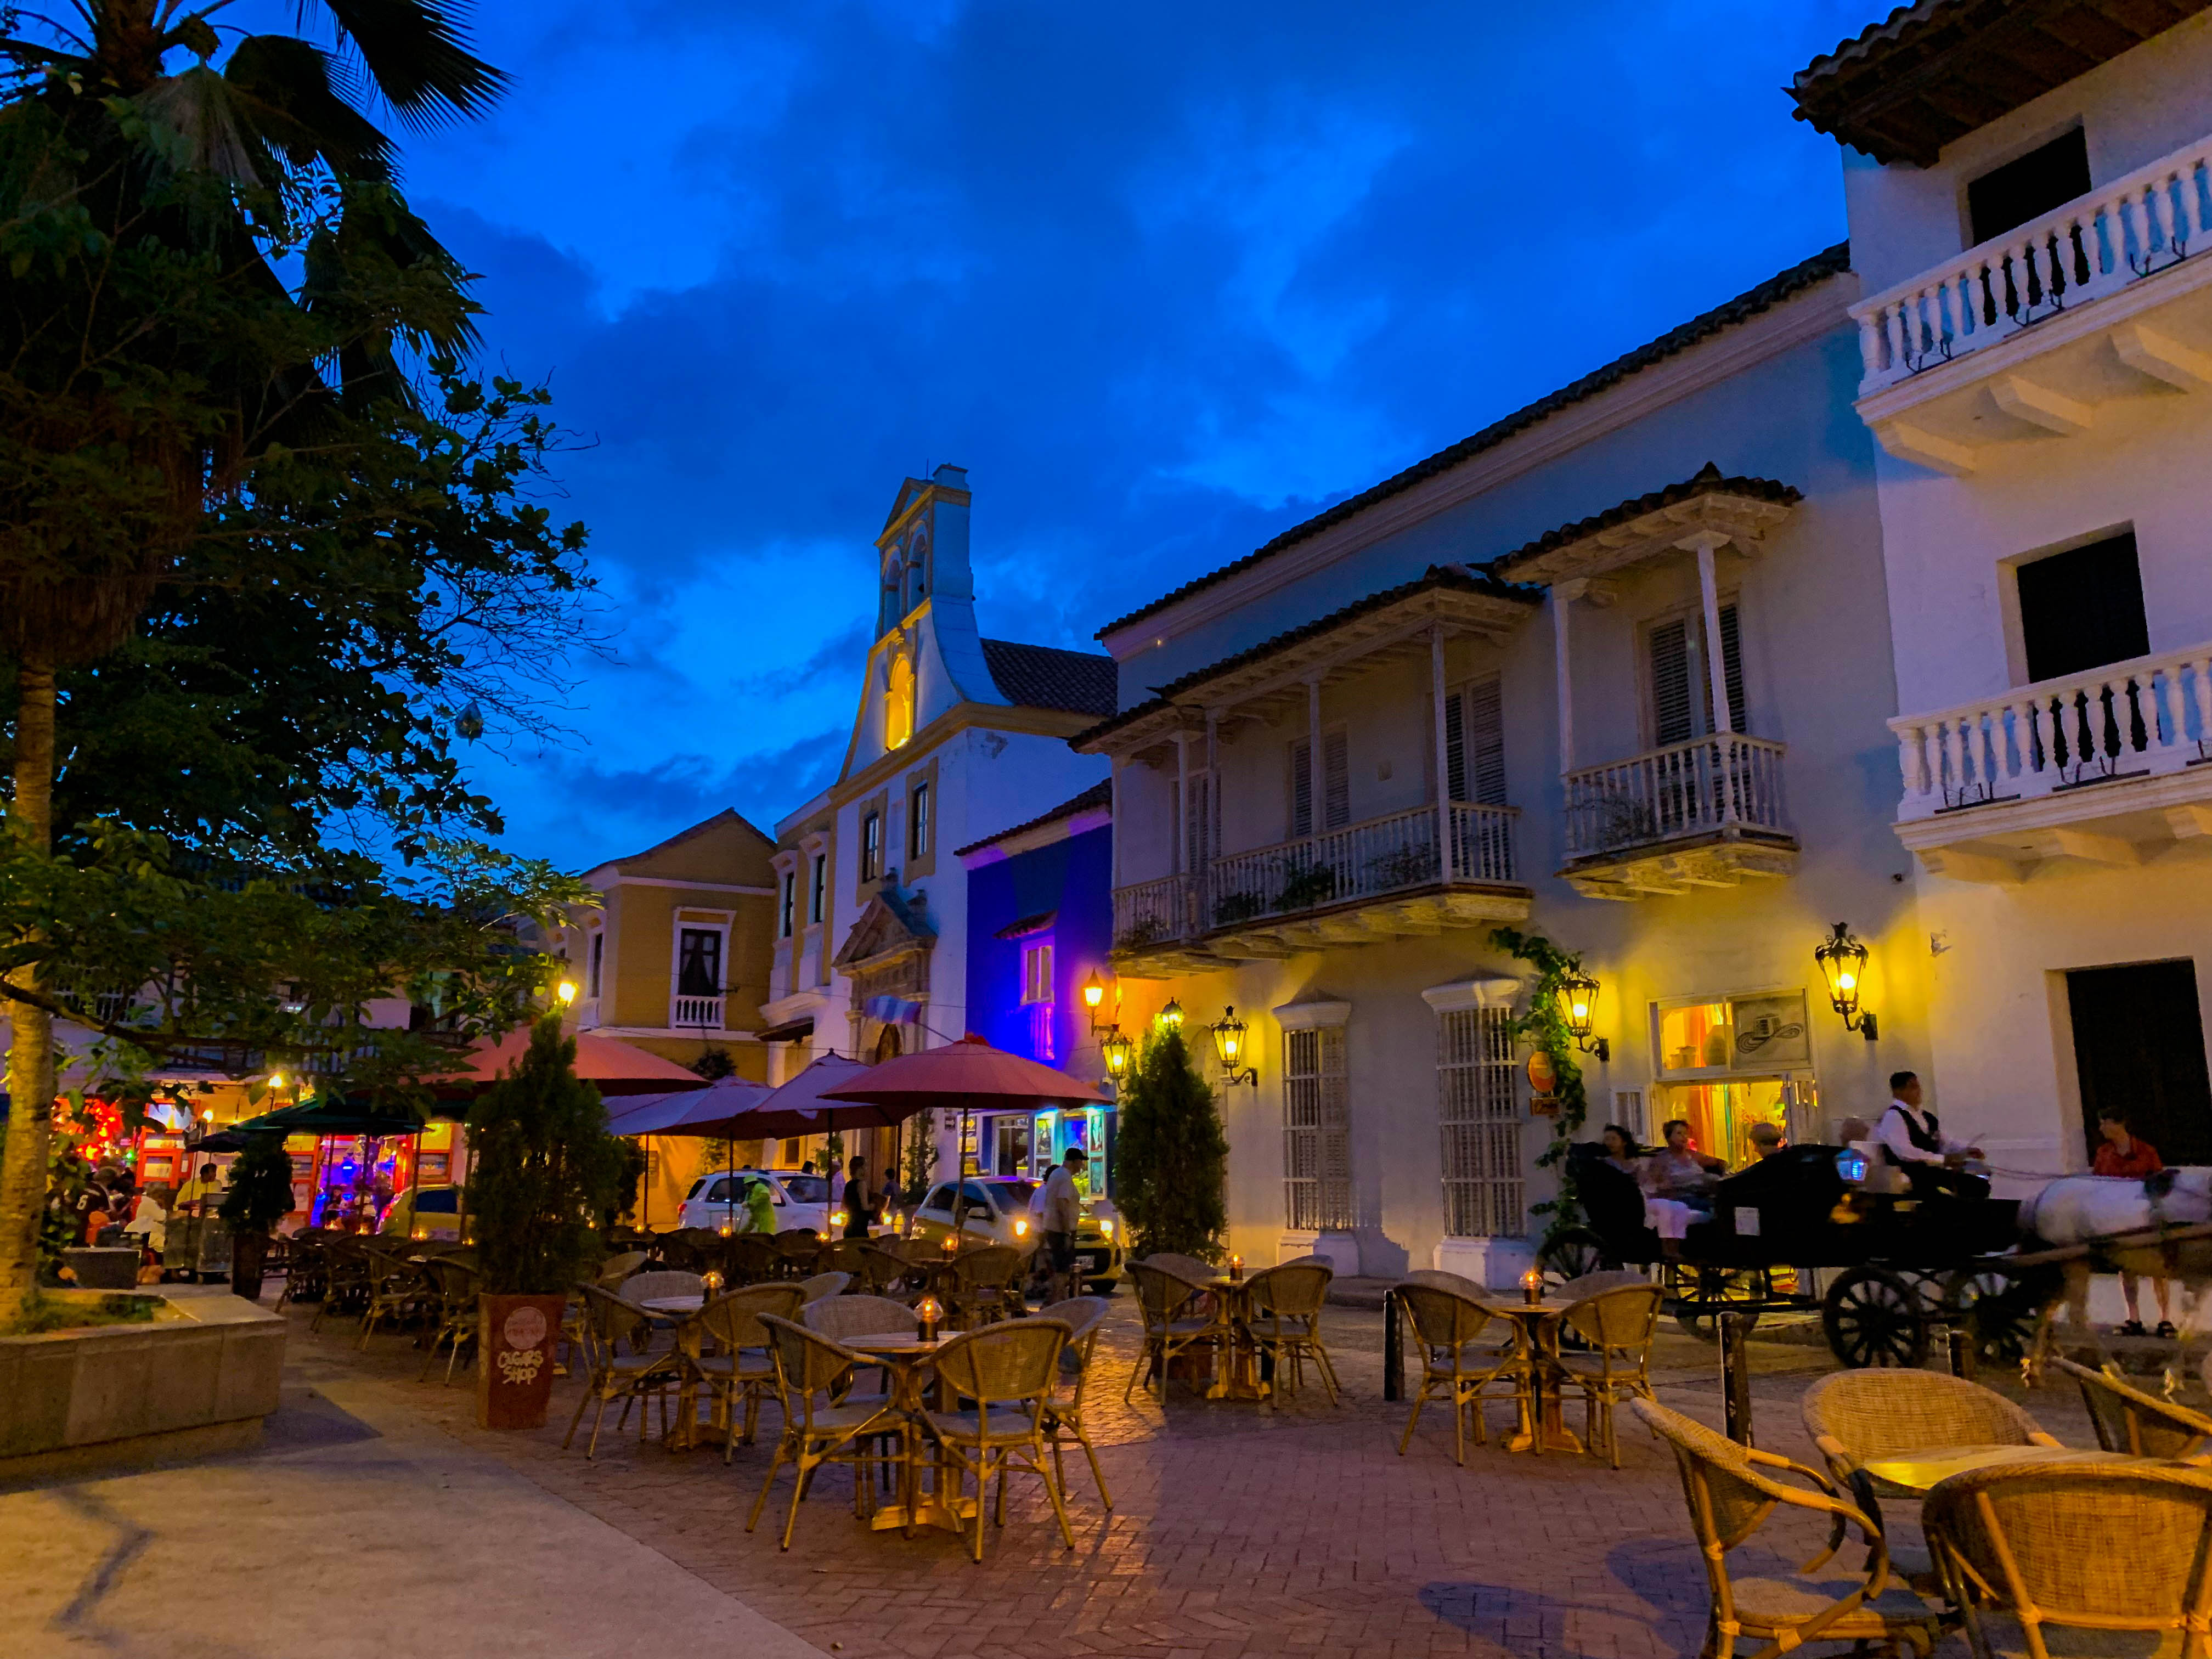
x: 295, y: 99
x: 199, y: 107
x: 415, y: 50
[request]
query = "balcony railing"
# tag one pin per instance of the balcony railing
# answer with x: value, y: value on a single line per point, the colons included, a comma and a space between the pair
x: 2096, y: 244
x: 1706, y: 785
x: 705, y: 1012
x: 2152, y: 714
x: 1151, y: 913
x: 1362, y: 860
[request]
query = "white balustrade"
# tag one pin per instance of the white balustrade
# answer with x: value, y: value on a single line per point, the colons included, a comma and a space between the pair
x: 1690, y: 788
x: 705, y: 1012
x: 2096, y: 244
x: 2149, y: 715
x: 1361, y: 861
x: 1482, y: 842
x: 1151, y: 913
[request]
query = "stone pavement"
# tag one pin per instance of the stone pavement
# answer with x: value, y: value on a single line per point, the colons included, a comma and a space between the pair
x: 1235, y: 1532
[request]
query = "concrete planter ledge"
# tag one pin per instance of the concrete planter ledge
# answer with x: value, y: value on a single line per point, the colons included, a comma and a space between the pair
x: 199, y: 1380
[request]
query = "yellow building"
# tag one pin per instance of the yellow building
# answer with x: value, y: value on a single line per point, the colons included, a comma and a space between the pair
x: 676, y: 961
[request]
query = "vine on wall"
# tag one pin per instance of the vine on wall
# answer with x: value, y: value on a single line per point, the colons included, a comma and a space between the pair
x: 1545, y: 1027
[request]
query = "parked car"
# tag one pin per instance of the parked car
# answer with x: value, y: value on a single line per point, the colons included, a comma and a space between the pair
x: 424, y: 1212
x: 999, y: 1209
x: 718, y: 1199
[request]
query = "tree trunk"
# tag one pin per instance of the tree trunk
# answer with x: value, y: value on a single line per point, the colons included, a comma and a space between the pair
x: 31, y: 1059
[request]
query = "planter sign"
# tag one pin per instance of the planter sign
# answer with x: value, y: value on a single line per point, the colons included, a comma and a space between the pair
x: 1543, y: 1083
x: 514, y: 1368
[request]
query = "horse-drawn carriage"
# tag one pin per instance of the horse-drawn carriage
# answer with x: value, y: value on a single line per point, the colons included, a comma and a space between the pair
x: 1900, y: 1269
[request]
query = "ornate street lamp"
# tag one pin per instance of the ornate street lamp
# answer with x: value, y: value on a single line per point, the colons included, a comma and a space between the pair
x: 1843, y: 963
x: 1229, y: 1044
x: 1094, y: 994
x: 1114, y: 1048
x: 1171, y: 1016
x: 1578, y: 1009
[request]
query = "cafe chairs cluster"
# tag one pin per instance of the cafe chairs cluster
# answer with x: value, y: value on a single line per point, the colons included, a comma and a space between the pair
x: 2127, y: 1420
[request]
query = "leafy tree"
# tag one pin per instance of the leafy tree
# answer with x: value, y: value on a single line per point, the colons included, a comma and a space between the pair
x: 714, y: 1065
x: 546, y: 1170
x: 1546, y: 1028
x: 1171, y: 1160
x: 260, y: 1191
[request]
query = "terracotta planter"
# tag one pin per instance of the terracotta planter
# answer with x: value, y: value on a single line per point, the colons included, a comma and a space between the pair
x: 515, y: 1358
x: 247, y: 1252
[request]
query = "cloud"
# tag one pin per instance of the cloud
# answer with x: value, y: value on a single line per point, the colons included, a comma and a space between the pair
x: 1166, y: 280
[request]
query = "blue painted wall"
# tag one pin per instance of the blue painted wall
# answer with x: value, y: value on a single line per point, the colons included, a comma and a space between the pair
x: 1073, y: 879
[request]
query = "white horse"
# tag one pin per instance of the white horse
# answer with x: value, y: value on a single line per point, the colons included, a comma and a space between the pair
x: 2095, y: 1212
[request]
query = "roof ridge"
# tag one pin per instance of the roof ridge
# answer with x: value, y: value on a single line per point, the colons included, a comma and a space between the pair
x: 1100, y: 793
x: 1762, y: 297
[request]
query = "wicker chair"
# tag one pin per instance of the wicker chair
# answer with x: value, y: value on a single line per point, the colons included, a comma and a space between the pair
x: 348, y: 1284
x: 876, y: 1271
x: 1286, y: 1323
x: 985, y: 1285
x: 1617, y: 1323
x: 1457, y: 1363
x: 750, y: 1259
x: 1437, y: 1278
x: 456, y: 1308
x: 398, y: 1289
x: 675, y: 1253
x: 2104, y: 1546
x: 1178, y: 1316
x: 612, y: 1374
x: 2141, y: 1424
x: 814, y: 1289
x: 796, y: 1250
x: 1731, y: 1490
x: 1008, y: 1370
x: 840, y: 1317
x: 1857, y: 1418
x: 740, y: 1369
x: 655, y: 1285
x: 617, y: 1268
x: 1084, y: 1316
x: 818, y: 1425
x: 1605, y: 1279
x: 1183, y: 1266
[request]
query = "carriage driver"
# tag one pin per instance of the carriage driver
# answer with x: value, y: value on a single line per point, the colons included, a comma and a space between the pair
x: 1917, y: 1144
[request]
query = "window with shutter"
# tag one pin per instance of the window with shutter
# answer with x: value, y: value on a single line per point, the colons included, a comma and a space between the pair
x: 1474, y: 743
x: 1731, y: 671
x: 1668, y: 646
x: 1316, y: 1131
x: 1479, y: 1122
x: 1336, y: 780
x: 1302, y: 817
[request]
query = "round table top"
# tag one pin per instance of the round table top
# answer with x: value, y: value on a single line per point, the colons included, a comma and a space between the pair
x: 893, y: 1344
x: 673, y: 1303
x: 1550, y: 1307
x: 1924, y: 1471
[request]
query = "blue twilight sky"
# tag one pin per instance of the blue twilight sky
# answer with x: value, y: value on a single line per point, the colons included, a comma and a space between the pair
x: 1165, y: 278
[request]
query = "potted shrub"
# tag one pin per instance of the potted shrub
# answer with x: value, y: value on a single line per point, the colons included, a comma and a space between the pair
x: 544, y: 1171
x: 259, y: 1196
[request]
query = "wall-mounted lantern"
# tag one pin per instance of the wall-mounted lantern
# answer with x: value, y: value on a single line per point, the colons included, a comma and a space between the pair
x: 1094, y: 994
x: 1171, y: 1016
x: 1843, y: 963
x: 1229, y: 1044
x: 1578, y: 1009
x: 1114, y: 1048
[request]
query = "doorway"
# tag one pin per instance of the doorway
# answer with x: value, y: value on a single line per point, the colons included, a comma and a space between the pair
x: 2139, y: 1046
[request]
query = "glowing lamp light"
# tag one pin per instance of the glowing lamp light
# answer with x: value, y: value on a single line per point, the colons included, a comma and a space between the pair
x: 420, y: 1233
x: 277, y: 1079
x: 1532, y: 1286
x: 566, y: 990
x: 1236, y: 1267
x: 1171, y: 1016
x: 931, y: 1314
x: 1021, y: 1227
x: 710, y: 1281
x: 837, y: 1218
x: 1851, y: 1166
x: 1114, y: 1048
x: 1229, y: 1046
x: 1843, y: 963
x: 1106, y: 1226
x: 1094, y: 990
x: 727, y: 1229
x: 1577, y: 1001
x: 952, y: 1243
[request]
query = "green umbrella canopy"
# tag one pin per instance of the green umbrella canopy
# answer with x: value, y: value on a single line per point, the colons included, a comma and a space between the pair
x: 336, y: 1117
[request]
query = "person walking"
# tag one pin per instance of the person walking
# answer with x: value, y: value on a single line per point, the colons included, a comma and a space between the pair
x: 2125, y: 1155
x: 760, y: 1210
x: 1063, y: 1213
x: 860, y: 1213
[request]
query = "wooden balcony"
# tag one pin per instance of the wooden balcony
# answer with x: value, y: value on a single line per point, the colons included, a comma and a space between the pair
x: 2107, y: 767
x: 1705, y: 813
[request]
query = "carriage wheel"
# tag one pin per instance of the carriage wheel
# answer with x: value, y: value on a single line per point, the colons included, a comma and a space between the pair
x: 1572, y: 1253
x: 1873, y: 1317
x: 1998, y: 1313
x: 1704, y: 1294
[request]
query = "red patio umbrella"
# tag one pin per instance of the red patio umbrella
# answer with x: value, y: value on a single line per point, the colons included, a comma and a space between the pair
x: 616, y: 1068
x: 721, y: 1111
x: 805, y: 1106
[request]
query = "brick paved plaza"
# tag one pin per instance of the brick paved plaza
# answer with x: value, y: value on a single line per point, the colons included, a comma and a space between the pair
x: 1235, y: 1532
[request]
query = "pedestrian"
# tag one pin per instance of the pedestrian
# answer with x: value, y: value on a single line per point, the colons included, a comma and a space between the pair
x: 197, y: 1191
x: 1063, y: 1213
x: 2125, y: 1154
x: 760, y: 1210
x: 91, y: 1209
x: 151, y: 1224
x: 860, y: 1214
x: 1916, y: 1143
x: 1766, y: 1140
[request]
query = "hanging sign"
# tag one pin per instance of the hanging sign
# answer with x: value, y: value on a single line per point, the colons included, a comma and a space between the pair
x: 1543, y: 1083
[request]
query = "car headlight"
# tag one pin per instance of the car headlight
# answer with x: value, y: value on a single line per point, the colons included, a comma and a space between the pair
x: 1021, y: 1228
x: 837, y: 1218
x: 1106, y: 1227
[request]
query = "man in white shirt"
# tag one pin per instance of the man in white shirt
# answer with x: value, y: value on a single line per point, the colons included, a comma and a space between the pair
x: 1063, y: 1212
x: 1915, y: 1142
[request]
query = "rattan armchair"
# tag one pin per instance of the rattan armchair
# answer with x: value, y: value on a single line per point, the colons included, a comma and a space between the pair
x: 1456, y: 1363
x: 1437, y: 1278
x: 617, y: 1268
x: 1616, y: 1323
x: 398, y: 1289
x: 739, y: 1371
x: 456, y: 1307
x: 881, y: 1270
x: 796, y: 1250
x: 1008, y: 1370
x: 1182, y: 1267
x: 752, y: 1259
x: 819, y: 1426
x: 657, y: 1284
x: 1286, y: 1323
x: 986, y: 1285
x: 1857, y: 1418
x: 347, y: 1282
x: 612, y: 1374
x: 840, y: 1317
x: 820, y: 1285
x: 2089, y: 1546
x: 2128, y: 1420
x: 1178, y: 1317
x: 1731, y: 1490
x: 1084, y: 1316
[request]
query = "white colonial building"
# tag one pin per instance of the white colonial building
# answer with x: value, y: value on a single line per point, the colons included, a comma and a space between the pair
x: 2030, y: 212
x: 955, y: 737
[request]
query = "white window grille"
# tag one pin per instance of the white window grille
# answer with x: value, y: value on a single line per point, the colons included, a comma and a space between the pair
x: 1628, y: 1112
x: 1036, y: 972
x: 1316, y: 1131
x: 1480, y: 1123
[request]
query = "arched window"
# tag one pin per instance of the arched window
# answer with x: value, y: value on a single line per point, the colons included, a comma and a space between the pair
x: 898, y: 704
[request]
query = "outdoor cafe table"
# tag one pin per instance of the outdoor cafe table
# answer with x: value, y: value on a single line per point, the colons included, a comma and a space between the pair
x: 1922, y: 1472
x: 1240, y: 1378
x: 1537, y: 1326
x: 685, y: 1434
x: 906, y: 1359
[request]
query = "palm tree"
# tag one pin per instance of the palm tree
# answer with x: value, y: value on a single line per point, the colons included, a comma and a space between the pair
x: 203, y: 265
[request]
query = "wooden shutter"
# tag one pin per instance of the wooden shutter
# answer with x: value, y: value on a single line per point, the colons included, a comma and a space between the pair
x: 1455, y: 747
x: 1474, y: 742
x: 1731, y: 670
x: 1668, y: 645
x: 1336, y: 780
x: 1301, y: 815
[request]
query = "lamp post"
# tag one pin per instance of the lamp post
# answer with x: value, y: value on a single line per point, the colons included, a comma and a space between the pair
x: 1171, y: 1016
x: 1229, y: 1045
x: 1579, y: 1008
x: 1843, y: 964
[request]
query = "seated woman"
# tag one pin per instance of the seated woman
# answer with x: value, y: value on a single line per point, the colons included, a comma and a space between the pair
x: 1621, y: 1149
x: 1678, y: 1183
